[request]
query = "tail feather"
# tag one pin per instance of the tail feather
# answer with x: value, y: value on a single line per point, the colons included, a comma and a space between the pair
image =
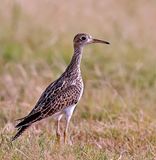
x: 26, y: 122
x: 20, y: 119
x: 29, y: 120
x: 20, y: 131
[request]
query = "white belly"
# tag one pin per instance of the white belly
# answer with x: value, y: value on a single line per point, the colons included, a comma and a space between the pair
x: 68, y: 111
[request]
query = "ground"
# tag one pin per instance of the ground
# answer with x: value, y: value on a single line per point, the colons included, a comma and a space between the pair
x: 116, y: 117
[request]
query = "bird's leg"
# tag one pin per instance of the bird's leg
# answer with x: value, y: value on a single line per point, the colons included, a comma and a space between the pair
x: 58, y: 134
x: 66, y: 129
x: 68, y: 115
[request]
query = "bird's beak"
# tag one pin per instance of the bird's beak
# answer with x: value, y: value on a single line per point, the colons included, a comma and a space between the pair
x: 99, y: 41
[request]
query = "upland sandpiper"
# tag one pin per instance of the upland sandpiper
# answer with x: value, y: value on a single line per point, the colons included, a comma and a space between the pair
x: 61, y: 96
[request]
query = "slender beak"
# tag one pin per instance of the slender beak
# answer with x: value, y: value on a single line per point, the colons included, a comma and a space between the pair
x: 99, y: 41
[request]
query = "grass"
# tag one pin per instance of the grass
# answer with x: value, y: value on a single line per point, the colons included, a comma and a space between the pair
x: 115, y: 120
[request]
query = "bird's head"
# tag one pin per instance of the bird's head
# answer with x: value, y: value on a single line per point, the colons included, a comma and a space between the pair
x: 82, y: 39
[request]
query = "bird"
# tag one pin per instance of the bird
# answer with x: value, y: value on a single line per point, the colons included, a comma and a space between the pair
x: 61, y: 97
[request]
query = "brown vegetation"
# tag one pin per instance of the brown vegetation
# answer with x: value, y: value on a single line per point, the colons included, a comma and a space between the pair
x: 116, y: 118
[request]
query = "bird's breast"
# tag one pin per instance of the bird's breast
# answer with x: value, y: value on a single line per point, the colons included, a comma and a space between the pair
x: 80, y: 86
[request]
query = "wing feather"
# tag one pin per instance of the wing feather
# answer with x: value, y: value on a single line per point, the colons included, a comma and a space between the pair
x: 67, y: 97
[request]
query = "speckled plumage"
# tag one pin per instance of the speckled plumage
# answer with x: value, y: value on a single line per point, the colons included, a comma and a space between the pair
x: 62, y: 95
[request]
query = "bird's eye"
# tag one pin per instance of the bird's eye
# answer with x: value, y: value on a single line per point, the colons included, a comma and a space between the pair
x: 83, y: 38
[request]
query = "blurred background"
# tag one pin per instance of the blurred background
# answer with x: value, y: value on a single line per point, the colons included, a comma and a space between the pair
x: 117, y: 110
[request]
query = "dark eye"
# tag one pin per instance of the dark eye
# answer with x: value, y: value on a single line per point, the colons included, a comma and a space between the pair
x: 83, y: 38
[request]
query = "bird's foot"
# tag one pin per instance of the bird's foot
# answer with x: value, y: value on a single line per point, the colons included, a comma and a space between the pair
x: 65, y: 137
x: 58, y: 138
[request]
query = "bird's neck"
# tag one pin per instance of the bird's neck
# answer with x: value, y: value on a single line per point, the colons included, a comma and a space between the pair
x: 76, y: 59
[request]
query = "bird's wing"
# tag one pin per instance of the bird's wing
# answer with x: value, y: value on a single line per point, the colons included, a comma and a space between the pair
x: 51, y: 91
x: 48, y: 92
x: 51, y: 105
